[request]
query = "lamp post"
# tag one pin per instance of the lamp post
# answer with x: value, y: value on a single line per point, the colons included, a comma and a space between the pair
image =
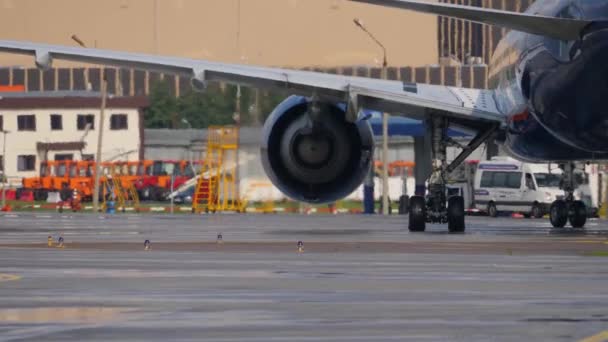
x: 190, y: 157
x: 104, y: 95
x: 384, y: 75
x: 5, y: 179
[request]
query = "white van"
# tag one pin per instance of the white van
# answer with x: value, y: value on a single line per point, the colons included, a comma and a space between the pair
x: 505, y: 184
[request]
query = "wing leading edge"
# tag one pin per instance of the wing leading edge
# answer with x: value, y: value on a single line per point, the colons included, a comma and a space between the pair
x: 471, y: 106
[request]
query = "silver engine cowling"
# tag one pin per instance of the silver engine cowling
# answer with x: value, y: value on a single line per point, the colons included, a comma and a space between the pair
x: 318, y: 163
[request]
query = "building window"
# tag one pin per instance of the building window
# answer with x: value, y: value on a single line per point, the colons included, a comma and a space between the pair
x: 84, y: 120
x: 88, y: 157
x: 26, y: 122
x: 26, y: 163
x: 56, y: 122
x: 68, y: 156
x: 118, y: 121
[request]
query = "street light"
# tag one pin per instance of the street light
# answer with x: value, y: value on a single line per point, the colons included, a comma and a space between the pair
x: 5, y: 179
x: 78, y: 41
x: 360, y: 25
x: 104, y: 96
x: 190, y: 157
x: 385, y: 203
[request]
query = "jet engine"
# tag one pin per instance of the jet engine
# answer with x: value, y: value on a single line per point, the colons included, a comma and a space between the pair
x: 312, y: 153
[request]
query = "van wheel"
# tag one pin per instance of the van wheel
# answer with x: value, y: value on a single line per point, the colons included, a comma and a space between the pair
x: 536, y: 211
x: 492, y: 211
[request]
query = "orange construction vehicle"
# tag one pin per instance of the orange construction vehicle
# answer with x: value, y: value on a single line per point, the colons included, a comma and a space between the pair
x: 401, y: 167
x: 151, y: 178
x: 42, y: 184
x: 81, y: 178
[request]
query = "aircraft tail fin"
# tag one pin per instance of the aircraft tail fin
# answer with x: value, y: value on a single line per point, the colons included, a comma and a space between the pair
x: 559, y: 28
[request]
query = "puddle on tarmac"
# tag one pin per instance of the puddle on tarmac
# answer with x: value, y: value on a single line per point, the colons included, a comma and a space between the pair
x: 63, y: 315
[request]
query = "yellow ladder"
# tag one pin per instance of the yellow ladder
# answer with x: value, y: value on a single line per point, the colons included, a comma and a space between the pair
x: 217, y: 187
x: 205, y: 194
x: 113, y: 187
x: 131, y: 193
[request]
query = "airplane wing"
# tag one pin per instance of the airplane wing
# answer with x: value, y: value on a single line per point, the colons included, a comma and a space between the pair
x: 558, y: 28
x: 470, y: 107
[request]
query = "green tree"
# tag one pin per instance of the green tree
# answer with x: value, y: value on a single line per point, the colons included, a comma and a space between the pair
x: 162, y: 105
x: 212, y: 107
x: 215, y: 106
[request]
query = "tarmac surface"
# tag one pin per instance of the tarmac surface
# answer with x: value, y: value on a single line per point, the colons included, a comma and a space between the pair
x: 358, y: 278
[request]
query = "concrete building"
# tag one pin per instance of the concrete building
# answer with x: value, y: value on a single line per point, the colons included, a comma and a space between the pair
x: 65, y: 125
x: 463, y: 39
x: 191, y: 144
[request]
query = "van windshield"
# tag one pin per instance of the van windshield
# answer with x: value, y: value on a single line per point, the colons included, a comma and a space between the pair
x: 547, y: 180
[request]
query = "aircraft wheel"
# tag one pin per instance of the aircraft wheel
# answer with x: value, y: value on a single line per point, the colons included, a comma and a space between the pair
x: 417, y: 214
x: 536, y: 211
x: 492, y: 211
x: 558, y: 214
x: 577, y: 215
x: 456, y: 214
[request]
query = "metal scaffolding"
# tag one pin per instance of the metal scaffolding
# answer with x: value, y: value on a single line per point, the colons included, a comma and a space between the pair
x: 217, y: 187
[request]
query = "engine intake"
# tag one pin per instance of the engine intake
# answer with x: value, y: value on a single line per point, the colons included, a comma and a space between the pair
x: 315, y: 163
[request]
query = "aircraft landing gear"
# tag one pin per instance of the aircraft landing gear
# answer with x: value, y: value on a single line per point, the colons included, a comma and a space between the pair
x: 437, y: 208
x: 568, y: 209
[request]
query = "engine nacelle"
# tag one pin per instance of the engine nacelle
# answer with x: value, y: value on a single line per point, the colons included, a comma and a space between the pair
x: 316, y: 164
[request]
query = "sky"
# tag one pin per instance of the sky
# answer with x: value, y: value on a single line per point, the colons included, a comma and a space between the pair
x: 290, y: 33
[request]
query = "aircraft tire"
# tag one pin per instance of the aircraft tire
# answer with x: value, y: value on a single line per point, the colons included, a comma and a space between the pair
x: 577, y: 215
x: 417, y: 214
x: 456, y: 214
x: 558, y: 214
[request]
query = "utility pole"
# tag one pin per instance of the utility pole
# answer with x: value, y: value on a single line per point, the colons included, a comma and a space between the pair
x: 4, y: 178
x: 237, y: 122
x: 385, y: 116
x: 385, y: 202
x: 104, y: 96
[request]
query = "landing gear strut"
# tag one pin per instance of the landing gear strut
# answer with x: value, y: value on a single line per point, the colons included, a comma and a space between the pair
x: 437, y: 208
x: 568, y: 209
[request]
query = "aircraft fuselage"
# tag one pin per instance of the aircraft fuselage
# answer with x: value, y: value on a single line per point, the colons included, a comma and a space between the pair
x: 553, y: 91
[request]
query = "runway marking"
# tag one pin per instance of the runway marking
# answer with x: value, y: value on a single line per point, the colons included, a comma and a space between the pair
x: 603, y: 336
x: 63, y: 314
x: 8, y: 277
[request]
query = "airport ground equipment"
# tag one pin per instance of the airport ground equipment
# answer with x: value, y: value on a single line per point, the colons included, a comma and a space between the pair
x: 217, y: 188
x: 151, y: 178
x: 113, y: 189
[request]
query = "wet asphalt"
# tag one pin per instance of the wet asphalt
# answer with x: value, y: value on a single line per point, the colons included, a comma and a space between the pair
x: 256, y: 286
